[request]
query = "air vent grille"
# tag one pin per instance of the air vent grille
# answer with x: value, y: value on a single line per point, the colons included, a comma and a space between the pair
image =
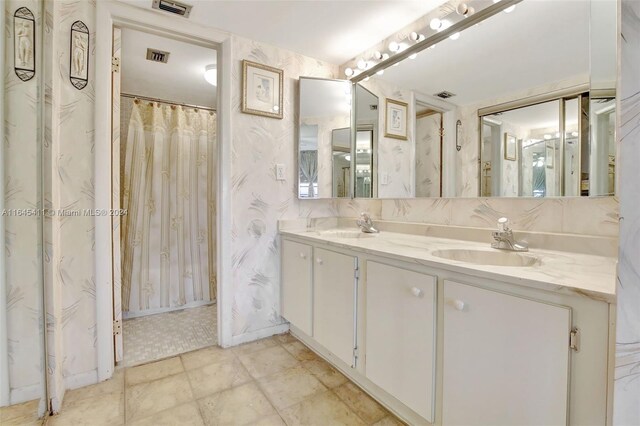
x: 373, y: 107
x: 174, y: 7
x: 156, y: 55
x: 444, y: 94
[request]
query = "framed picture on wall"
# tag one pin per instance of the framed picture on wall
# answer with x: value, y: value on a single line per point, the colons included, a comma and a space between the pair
x: 550, y: 154
x: 510, y: 147
x: 261, y: 90
x: 396, y: 119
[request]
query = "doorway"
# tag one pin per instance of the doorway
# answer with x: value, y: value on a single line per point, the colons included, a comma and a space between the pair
x: 429, y: 153
x: 164, y: 180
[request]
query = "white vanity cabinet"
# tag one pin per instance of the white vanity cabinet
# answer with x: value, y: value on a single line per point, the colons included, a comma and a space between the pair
x: 401, y: 335
x: 297, y: 285
x: 334, y: 302
x: 506, y: 359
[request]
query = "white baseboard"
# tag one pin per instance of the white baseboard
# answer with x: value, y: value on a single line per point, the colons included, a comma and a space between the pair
x: 81, y: 380
x: 25, y: 393
x: 258, y: 334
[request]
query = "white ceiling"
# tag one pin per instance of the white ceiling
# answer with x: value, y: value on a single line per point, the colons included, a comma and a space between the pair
x: 180, y: 80
x: 334, y: 31
x: 540, y: 42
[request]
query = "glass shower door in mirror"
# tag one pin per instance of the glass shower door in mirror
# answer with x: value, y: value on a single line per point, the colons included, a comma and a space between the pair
x: 324, y: 138
x: 22, y: 360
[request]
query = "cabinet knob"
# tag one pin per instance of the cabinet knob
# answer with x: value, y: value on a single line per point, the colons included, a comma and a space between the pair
x: 303, y: 256
x: 459, y: 305
x: 319, y: 261
x: 417, y: 292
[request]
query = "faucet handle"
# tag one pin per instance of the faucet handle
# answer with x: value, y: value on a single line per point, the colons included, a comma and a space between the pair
x: 364, y: 216
x: 503, y: 224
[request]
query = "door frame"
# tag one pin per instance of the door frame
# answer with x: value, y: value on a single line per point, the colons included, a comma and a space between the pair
x: 110, y: 14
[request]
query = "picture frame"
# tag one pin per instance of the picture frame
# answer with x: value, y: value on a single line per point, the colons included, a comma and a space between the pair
x: 549, y: 154
x: 262, y: 90
x: 79, y: 55
x: 24, y: 46
x: 396, y: 119
x: 510, y: 147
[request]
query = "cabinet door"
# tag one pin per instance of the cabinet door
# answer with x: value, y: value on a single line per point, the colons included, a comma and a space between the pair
x: 297, y: 290
x: 333, y: 302
x: 506, y: 359
x: 400, y: 334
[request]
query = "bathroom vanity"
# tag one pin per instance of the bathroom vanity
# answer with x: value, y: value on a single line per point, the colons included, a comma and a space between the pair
x: 442, y: 329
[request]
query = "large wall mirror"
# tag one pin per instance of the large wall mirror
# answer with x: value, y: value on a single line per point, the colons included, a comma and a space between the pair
x: 520, y: 104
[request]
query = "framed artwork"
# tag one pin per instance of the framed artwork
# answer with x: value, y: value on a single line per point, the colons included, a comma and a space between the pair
x: 261, y: 90
x: 396, y: 119
x: 79, y: 55
x: 550, y: 154
x: 510, y: 147
x: 24, y: 47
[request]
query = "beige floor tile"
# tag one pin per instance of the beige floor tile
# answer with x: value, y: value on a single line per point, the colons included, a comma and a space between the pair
x: 26, y: 411
x: 95, y: 411
x: 237, y: 406
x: 361, y: 403
x: 258, y: 345
x: 217, y: 377
x: 291, y: 386
x: 114, y: 384
x: 285, y: 338
x: 22, y: 421
x: 183, y: 415
x: 149, y: 398
x: 320, y: 410
x: 153, y: 371
x: 390, y: 420
x: 300, y: 351
x: 206, y: 356
x: 274, y: 420
x: 268, y: 361
x: 328, y: 375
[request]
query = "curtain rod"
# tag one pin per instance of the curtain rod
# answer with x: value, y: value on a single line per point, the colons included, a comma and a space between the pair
x: 164, y: 101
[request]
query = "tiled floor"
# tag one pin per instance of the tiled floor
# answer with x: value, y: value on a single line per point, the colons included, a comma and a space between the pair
x: 20, y: 414
x: 274, y: 381
x: 159, y: 336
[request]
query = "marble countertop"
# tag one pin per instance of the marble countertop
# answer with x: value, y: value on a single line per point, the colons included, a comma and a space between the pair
x: 582, y: 274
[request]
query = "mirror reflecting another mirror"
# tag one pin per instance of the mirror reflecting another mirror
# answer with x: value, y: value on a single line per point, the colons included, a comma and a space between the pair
x: 521, y: 104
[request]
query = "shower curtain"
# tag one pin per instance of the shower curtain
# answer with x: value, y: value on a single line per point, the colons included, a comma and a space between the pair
x: 168, y: 233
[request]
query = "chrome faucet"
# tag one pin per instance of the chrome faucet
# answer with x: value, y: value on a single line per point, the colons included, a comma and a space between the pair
x: 366, y: 224
x: 503, y: 238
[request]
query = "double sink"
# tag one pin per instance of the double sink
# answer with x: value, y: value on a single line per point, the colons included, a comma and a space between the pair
x: 489, y: 257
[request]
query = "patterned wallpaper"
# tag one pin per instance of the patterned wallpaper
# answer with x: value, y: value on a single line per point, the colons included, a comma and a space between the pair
x: 626, y: 409
x: 22, y: 239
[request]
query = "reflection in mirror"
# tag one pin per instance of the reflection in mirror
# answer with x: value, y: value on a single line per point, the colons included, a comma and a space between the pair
x: 367, y: 129
x: 522, y: 82
x: 324, y: 138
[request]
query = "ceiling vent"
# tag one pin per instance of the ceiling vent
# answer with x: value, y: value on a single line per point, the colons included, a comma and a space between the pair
x: 174, y: 7
x: 444, y: 95
x: 373, y: 107
x: 156, y: 55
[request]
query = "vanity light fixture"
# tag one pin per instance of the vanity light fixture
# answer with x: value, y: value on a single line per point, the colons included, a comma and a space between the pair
x: 348, y: 72
x: 435, y: 24
x: 362, y: 64
x: 211, y: 74
x: 394, y: 47
x: 416, y: 37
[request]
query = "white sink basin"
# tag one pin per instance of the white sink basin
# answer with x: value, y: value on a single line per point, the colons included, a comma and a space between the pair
x: 346, y: 234
x: 483, y: 257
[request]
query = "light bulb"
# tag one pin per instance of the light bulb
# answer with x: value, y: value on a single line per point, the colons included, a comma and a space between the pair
x: 454, y: 36
x: 356, y: 73
x: 414, y: 36
x: 347, y: 157
x: 421, y: 37
x: 394, y: 47
x: 435, y: 24
x: 470, y: 11
x: 413, y: 56
x: 348, y: 72
x: 377, y: 55
x: 462, y: 9
x: 385, y: 56
x: 510, y: 9
x: 445, y: 24
x: 211, y: 74
x: 362, y: 64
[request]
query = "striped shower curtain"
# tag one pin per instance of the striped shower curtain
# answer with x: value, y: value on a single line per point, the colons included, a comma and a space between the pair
x: 168, y: 189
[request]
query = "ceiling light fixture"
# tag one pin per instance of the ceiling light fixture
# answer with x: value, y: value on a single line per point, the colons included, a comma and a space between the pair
x: 211, y: 74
